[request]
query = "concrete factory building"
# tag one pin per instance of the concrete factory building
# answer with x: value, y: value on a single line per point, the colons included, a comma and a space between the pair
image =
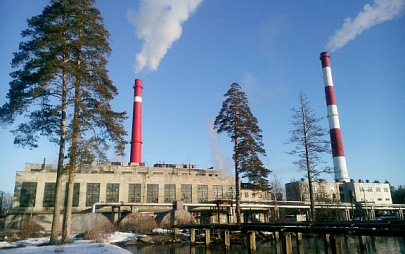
x: 135, y: 186
x: 360, y: 192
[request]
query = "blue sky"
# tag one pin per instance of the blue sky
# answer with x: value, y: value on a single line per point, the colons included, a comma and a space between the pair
x: 272, y: 49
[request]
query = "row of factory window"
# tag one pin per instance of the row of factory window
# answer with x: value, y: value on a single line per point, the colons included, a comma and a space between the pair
x: 161, y: 173
x: 370, y: 189
x: 29, y: 191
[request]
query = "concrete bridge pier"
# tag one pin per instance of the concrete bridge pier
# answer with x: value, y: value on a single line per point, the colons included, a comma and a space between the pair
x: 300, y: 246
x: 336, y: 245
x: 207, y: 237
x: 287, y: 244
x: 252, y: 241
x: 347, y: 216
x: 227, y: 240
x: 399, y: 214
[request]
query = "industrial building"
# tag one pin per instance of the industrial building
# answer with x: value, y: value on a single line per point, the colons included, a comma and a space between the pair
x: 133, y: 185
x: 360, y: 192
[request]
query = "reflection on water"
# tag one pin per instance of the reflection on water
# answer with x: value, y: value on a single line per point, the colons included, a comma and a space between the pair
x: 312, y: 245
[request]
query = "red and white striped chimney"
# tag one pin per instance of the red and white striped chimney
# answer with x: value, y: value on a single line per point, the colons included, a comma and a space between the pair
x: 339, y: 160
x: 136, y: 141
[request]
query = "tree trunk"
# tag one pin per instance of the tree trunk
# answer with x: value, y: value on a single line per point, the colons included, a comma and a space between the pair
x: 308, y: 166
x: 68, y: 212
x: 72, y: 159
x: 72, y: 167
x: 237, y: 183
x: 59, y: 174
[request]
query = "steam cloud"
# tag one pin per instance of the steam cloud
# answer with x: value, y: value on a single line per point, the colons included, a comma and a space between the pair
x: 383, y: 10
x: 222, y: 164
x: 158, y: 24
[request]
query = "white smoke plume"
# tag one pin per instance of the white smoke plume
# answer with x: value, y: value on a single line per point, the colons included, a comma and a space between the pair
x: 383, y: 10
x: 224, y: 165
x: 158, y: 24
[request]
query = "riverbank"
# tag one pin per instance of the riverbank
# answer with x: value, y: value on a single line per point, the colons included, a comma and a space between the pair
x: 108, y: 243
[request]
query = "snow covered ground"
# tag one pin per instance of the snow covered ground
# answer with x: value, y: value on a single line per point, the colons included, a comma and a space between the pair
x: 77, y: 246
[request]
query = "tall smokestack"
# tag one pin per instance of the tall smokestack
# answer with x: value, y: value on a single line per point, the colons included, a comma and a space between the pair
x: 339, y: 160
x: 136, y: 141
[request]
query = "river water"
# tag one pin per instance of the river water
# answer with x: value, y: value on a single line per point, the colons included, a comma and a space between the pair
x: 310, y: 245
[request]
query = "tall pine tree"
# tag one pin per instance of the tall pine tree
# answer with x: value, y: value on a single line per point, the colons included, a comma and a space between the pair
x: 236, y: 119
x: 93, y: 120
x: 62, y: 84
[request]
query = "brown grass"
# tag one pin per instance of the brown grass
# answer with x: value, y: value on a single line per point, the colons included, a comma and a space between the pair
x: 138, y: 223
x: 30, y: 228
x: 99, y: 232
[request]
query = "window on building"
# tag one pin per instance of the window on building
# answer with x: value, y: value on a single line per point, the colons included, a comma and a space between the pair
x: 152, y: 193
x: 186, y: 193
x: 378, y: 189
x: 370, y: 189
x: 253, y: 195
x: 231, y: 192
x: 49, y: 194
x: 76, y: 194
x: 217, y: 192
x: 28, y: 194
x: 158, y: 173
x: 379, y: 199
x: 385, y: 189
x: 113, y: 192
x: 259, y: 195
x: 387, y: 199
x: 170, y: 193
x: 92, y: 193
x: 134, y: 195
x: 202, y: 193
x: 246, y: 194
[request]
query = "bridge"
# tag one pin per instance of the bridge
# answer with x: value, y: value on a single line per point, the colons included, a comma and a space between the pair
x: 267, y: 210
x: 331, y: 233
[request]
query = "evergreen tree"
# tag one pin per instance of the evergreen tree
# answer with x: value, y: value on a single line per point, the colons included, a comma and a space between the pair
x: 309, y: 144
x: 92, y: 114
x: 236, y: 119
x: 62, y: 84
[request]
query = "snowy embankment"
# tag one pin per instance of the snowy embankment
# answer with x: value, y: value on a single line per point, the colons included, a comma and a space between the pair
x: 32, y: 245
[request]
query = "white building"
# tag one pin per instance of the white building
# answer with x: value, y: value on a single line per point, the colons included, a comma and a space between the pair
x: 120, y: 182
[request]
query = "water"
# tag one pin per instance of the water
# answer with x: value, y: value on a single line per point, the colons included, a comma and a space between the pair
x: 310, y: 245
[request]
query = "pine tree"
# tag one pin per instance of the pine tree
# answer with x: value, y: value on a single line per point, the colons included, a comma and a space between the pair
x: 62, y: 84
x: 309, y: 144
x: 236, y: 119
x: 92, y: 92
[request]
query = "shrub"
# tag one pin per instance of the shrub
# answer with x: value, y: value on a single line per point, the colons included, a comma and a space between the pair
x: 138, y: 223
x: 99, y: 232
x: 30, y: 228
x: 175, y: 218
